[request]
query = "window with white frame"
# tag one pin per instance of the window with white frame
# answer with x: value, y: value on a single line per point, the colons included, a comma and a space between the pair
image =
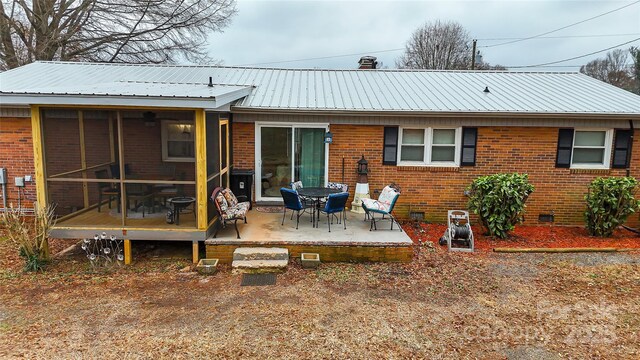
x: 412, y: 145
x: 429, y: 146
x: 178, y: 141
x: 591, y: 148
x: 443, y: 145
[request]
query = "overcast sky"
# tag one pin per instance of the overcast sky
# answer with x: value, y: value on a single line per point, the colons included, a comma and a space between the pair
x: 270, y: 31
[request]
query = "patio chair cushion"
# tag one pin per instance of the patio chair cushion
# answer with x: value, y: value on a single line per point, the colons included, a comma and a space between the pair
x: 387, y: 195
x: 221, y: 201
x: 230, y: 197
x: 224, y: 198
x: 237, y: 212
x: 376, y: 205
x: 385, y: 201
x: 243, y: 206
x: 339, y: 186
x: 296, y: 185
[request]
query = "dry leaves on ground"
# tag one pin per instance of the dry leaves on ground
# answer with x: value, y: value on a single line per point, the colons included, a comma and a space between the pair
x: 440, y: 305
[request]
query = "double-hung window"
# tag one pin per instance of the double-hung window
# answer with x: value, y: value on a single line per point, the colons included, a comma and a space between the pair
x: 429, y: 146
x: 443, y: 145
x: 178, y: 141
x: 591, y: 148
x: 412, y: 147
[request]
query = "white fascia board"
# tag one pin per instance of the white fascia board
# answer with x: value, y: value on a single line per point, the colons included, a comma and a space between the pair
x: 232, y: 96
x: 108, y: 101
x: 223, y: 108
x: 102, y: 100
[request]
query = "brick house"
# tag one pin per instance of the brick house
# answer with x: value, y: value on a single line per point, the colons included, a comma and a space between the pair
x: 430, y: 132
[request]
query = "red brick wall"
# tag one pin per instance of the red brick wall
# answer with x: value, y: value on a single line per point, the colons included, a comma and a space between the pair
x: 143, y: 150
x: 16, y: 155
x: 436, y: 190
x: 524, y: 149
x: 244, y: 141
x: 62, y: 154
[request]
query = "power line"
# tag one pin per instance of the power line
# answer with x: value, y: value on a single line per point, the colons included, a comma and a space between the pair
x: 562, y: 28
x: 558, y: 66
x: 573, y: 58
x: 560, y: 37
x: 323, y: 57
x: 399, y: 49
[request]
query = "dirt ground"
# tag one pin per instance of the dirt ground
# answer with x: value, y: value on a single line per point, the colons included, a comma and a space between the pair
x: 483, y: 305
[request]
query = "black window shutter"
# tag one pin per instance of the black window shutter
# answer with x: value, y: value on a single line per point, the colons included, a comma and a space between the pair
x: 390, y: 149
x: 565, y: 145
x: 469, y: 144
x: 621, y: 148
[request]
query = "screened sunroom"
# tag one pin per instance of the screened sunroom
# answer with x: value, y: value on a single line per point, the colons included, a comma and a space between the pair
x: 141, y: 174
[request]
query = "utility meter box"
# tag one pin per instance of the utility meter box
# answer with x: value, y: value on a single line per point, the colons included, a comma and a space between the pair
x: 3, y: 176
x: 19, y: 181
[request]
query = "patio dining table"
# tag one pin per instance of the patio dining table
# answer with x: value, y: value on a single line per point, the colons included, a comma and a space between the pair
x: 317, y: 193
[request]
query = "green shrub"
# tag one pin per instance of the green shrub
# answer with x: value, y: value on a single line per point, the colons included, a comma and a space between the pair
x: 609, y: 202
x: 499, y: 201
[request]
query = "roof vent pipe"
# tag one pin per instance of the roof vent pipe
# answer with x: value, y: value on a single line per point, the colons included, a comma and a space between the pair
x: 486, y: 89
x: 210, y: 81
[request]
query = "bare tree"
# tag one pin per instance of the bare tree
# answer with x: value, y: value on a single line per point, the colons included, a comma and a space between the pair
x: 437, y: 45
x: 597, y: 69
x: 613, y: 69
x: 487, y: 66
x: 131, y: 31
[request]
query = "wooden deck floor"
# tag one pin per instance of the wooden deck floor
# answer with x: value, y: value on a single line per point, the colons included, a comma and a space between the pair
x: 93, y: 218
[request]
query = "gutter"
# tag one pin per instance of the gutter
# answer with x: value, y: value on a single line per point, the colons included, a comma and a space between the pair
x: 85, y: 101
x: 630, y: 148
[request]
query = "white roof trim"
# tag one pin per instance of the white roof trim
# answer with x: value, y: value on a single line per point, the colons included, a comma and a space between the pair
x: 17, y: 99
x: 108, y: 101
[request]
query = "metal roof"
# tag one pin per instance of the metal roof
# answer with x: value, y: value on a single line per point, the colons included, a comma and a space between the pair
x: 356, y: 91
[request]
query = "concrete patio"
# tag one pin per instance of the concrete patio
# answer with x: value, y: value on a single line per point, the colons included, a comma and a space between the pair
x: 356, y: 243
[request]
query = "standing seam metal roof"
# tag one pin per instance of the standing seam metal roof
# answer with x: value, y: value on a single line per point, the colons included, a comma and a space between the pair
x: 333, y: 90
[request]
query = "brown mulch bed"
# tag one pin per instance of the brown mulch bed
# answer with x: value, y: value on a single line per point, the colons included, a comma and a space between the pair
x: 531, y: 237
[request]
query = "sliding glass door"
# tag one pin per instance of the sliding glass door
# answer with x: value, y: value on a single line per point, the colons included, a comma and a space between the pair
x: 286, y: 153
x: 276, y: 160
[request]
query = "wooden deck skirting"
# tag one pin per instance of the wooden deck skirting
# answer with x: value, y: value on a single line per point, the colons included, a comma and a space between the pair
x: 328, y: 253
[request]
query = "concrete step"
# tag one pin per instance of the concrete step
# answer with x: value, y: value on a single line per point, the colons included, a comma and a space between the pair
x: 260, y: 253
x: 259, y: 266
